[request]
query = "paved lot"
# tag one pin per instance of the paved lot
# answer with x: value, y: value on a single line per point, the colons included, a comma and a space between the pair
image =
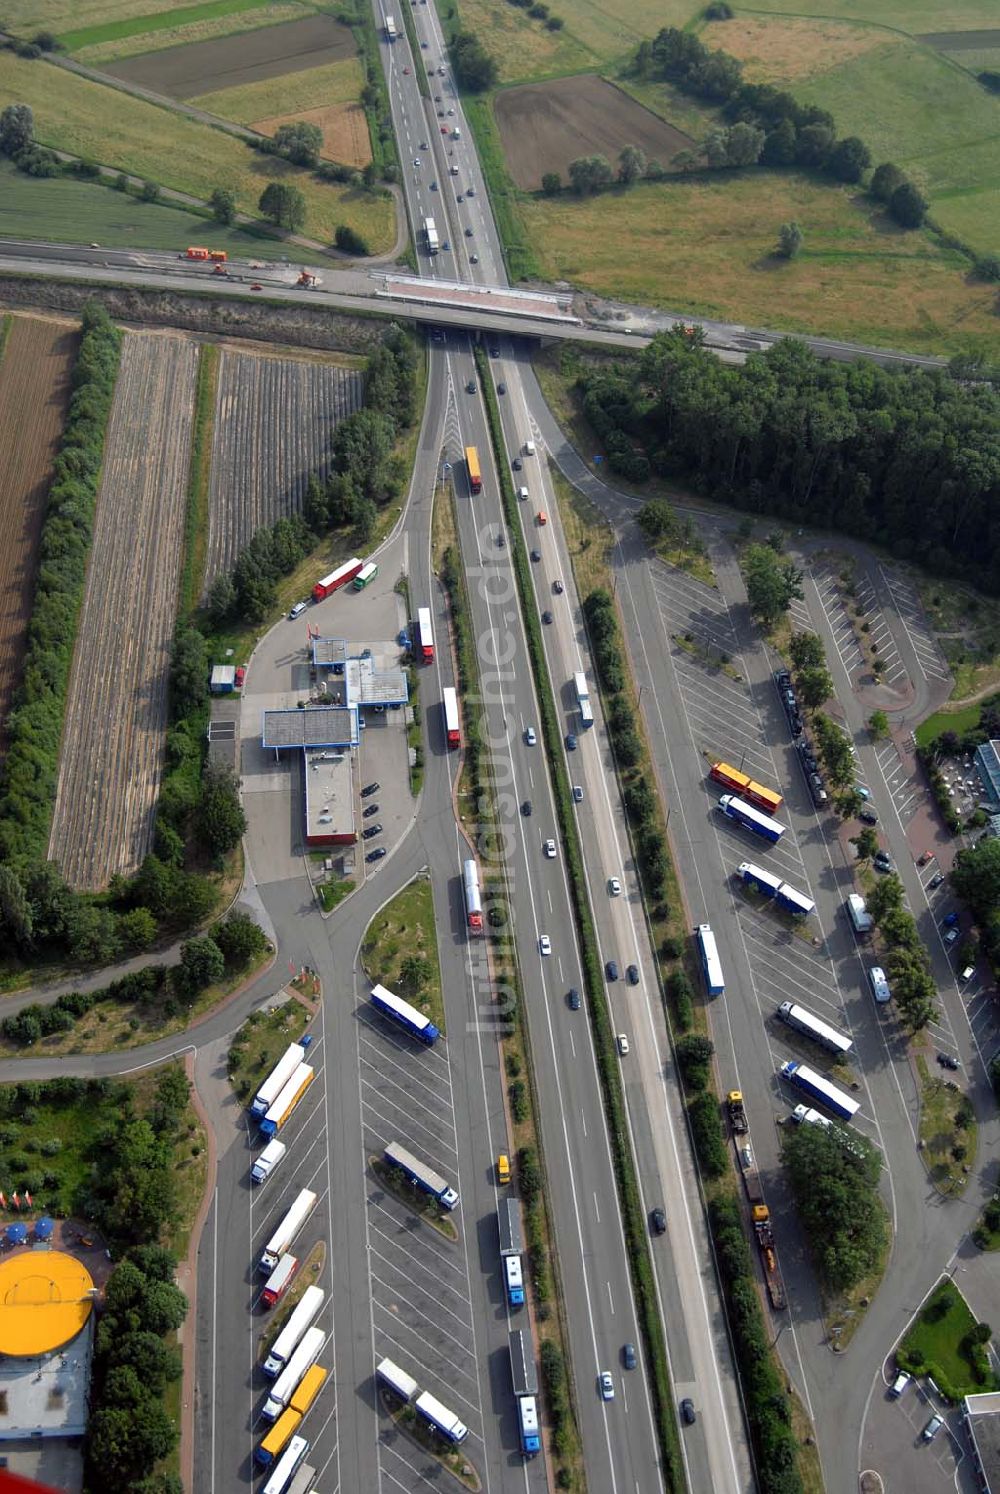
x: 895, y: 675
x: 421, y: 1306
x: 911, y: 614
x: 831, y: 597
x: 907, y: 792
x: 893, y: 1447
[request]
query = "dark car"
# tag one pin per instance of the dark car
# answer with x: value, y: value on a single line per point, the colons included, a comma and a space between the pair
x: 573, y: 997
x: 377, y: 854
x: 871, y: 818
x: 947, y: 1061
x: 557, y: 587
x: 371, y: 832
x: 632, y: 975
x: 882, y: 861
x: 570, y: 742
x: 688, y: 1413
x: 494, y: 352
x: 501, y: 387
x: 516, y: 464
x: 936, y: 880
x: 369, y: 811
x: 370, y: 788
x: 658, y: 1222
x: 782, y: 679
x: 526, y: 808
x: 471, y: 386
x: 795, y: 725
x: 536, y: 555
x: 546, y: 617
x: 629, y: 1360
x: 611, y: 970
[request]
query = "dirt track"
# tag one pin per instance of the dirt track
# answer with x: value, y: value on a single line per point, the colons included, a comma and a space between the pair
x: 545, y: 126
x: 112, y: 751
x: 229, y: 62
x: 274, y: 418
x: 35, y: 369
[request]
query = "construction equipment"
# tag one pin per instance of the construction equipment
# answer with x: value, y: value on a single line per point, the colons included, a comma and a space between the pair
x: 768, y: 1256
x: 737, y: 1114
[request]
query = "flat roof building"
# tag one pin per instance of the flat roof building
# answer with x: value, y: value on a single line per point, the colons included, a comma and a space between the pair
x: 329, y: 798
x: 982, y: 1424
x: 987, y: 760
x: 312, y: 726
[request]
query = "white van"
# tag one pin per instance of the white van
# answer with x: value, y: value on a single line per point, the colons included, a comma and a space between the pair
x: 859, y: 915
x: 879, y: 984
x: 522, y: 493
x: 529, y: 448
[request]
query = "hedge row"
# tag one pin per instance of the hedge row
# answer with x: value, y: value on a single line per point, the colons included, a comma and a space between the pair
x: 35, y: 724
x: 604, y: 1041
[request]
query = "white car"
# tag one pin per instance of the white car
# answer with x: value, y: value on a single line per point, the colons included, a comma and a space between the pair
x: 545, y: 945
x: 614, y: 887
x: 550, y: 849
x: 529, y: 736
x: 622, y: 1044
x: 577, y: 794
x: 607, y: 1386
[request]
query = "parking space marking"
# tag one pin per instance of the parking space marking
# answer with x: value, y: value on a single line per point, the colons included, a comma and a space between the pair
x: 841, y: 626
x: 910, y: 611
x: 895, y: 672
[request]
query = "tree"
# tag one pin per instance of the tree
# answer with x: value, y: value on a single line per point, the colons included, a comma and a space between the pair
x: 188, y: 673
x: 137, y: 927
x: 17, y: 129
x: 657, y: 520
x: 885, y: 179
x: 15, y: 910
x: 849, y: 159
x: 807, y: 651
x: 878, y: 725
x: 201, y: 964
x: 694, y: 1055
x: 745, y: 144
x: 284, y: 205
x: 299, y: 142
x: 781, y: 145
x: 164, y: 1307
x: 790, y: 237
x: 836, y: 1192
x: 221, y: 821
x: 150, y: 192
x: 474, y: 68
x: 589, y: 174
x: 772, y: 583
x: 907, y: 206
x: 240, y: 939
x: 223, y: 205
x: 866, y: 842
x: 222, y: 599
x: 815, y: 143
x: 551, y: 183
x: 415, y: 972
x: 173, y: 1090
x: 123, y: 1441
x: 815, y: 686
x: 349, y: 241
x: 631, y: 165
x: 154, y: 1363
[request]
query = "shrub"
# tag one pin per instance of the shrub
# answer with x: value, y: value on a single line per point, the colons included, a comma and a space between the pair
x: 706, y: 1129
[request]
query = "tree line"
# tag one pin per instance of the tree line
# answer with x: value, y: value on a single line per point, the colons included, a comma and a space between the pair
x: 906, y: 458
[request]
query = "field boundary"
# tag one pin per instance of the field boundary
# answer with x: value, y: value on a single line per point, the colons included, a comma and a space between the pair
x: 196, y: 514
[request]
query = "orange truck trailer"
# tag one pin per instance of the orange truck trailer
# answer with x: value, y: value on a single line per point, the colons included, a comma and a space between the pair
x: 741, y: 783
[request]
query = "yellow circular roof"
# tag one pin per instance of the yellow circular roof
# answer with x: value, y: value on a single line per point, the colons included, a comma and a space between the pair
x: 45, y: 1299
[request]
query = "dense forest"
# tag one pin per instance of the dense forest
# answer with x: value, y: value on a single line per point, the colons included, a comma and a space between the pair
x: 907, y: 458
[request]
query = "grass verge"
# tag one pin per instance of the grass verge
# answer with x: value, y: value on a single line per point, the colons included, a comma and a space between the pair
x: 939, y: 1343
x: 331, y: 894
x: 404, y: 930
x: 196, y: 514
x: 505, y: 199
x: 260, y: 1042
x: 637, y: 1242
x: 948, y: 1133
x: 455, y: 1462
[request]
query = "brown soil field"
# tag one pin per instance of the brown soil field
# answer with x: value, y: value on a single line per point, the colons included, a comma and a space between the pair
x: 230, y: 62
x: 35, y: 370
x: 274, y: 418
x: 345, y: 131
x: 545, y: 126
x: 112, y: 750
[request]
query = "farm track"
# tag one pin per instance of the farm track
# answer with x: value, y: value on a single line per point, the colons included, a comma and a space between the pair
x: 35, y: 375
x: 112, y: 751
x: 274, y: 419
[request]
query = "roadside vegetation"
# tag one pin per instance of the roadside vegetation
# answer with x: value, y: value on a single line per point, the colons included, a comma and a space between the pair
x: 834, y: 1177
x: 948, y: 1131
x: 400, y: 950
x: 946, y: 1343
x: 987, y: 1232
x: 260, y: 1042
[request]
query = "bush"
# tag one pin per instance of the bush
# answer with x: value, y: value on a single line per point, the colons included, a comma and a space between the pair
x: 681, y: 994
x: 694, y: 1056
x: 348, y: 241
x: 706, y: 1129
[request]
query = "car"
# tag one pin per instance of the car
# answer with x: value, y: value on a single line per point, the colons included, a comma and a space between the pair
x: 932, y: 1428
x: 536, y: 556
x: 611, y: 970
x: 503, y: 1169
x: 968, y: 972
x: 501, y: 387
x: 369, y: 789
x: 632, y: 975
x: 444, y: 128
x: 573, y: 998
x: 241, y: 674
x: 468, y: 233
x: 424, y: 145
x: 658, y: 1221
x: 952, y: 936
x: 471, y: 387
x: 460, y: 198
x: 494, y: 352
x: 899, y: 1385
x: 688, y: 1414
x: 883, y: 862
x: 950, y: 920
x: 629, y: 1359
x: 470, y: 191
x: 935, y: 881
x: 297, y: 610
x: 371, y: 831
x: 406, y: 70
x: 377, y: 854
x: 473, y: 259
x: 516, y: 464
x: 782, y: 679
x: 577, y: 794
x: 416, y: 160
x: 947, y: 1061
x: 924, y: 857
x: 606, y: 1385
x: 868, y: 815
x: 570, y: 742
x: 623, y: 1045
x: 544, y: 944
x: 795, y: 726
x: 550, y: 849
x: 441, y: 75
x: 423, y: 48
x: 369, y: 810
x: 614, y: 887
x: 558, y: 587
x: 434, y: 186
x: 546, y: 617
x: 445, y: 244
x: 452, y: 170
x: 529, y: 736
x: 256, y: 287
x: 526, y: 808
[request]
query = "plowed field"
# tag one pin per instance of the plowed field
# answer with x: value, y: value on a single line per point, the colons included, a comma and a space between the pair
x: 112, y: 751
x: 34, y: 388
x: 274, y: 419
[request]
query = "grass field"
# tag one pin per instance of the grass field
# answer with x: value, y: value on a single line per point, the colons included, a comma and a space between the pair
x: 68, y: 211
x: 913, y: 16
x: 939, y: 1340
x: 334, y: 83
x: 138, y: 20
x: 707, y: 245
x: 87, y: 119
x: 405, y: 927
x: 259, y: 1044
x: 206, y: 28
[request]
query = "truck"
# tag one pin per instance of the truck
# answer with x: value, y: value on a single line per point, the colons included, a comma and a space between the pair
x: 277, y: 1079
x: 287, y: 1383
x: 286, y: 1102
x: 452, y: 725
x: 768, y: 1255
x: 473, y: 901
x: 736, y: 1112
x: 280, y: 1280
x: 195, y: 251
x: 431, y: 236
x: 582, y: 690
x: 525, y: 1382
x: 527, y: 1425
x: 768, y: 885
x: 425, y: 635
x: 751, y: 818
x: 751, y: 1177
x: 397, y: 1155
x: 397, y: 1380
x: 286, y: 1231
x: 805, y: 1115
x: 440, y: 1418
x: 769, y: 800
x: 288, y: 1339
x: 308, y: 1389
x: 336, y: 579
x: 308, y: 280
x: 473, y: 470
x: 278, y: 1437
x: 820, y: 1089
x: 513, y: 1280
x: 268, y: 1160
x: 390, y: 29
x: 286, y: 1466
x: 511, y: 1249
x: 407, y: 1016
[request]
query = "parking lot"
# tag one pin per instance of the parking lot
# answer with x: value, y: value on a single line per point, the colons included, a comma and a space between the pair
x: 419, y: 1281
x: 907, y: 792
x: 893, y: 1447
x: 895, y: 675
x: 904, y: 595
x: 831, y: 598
